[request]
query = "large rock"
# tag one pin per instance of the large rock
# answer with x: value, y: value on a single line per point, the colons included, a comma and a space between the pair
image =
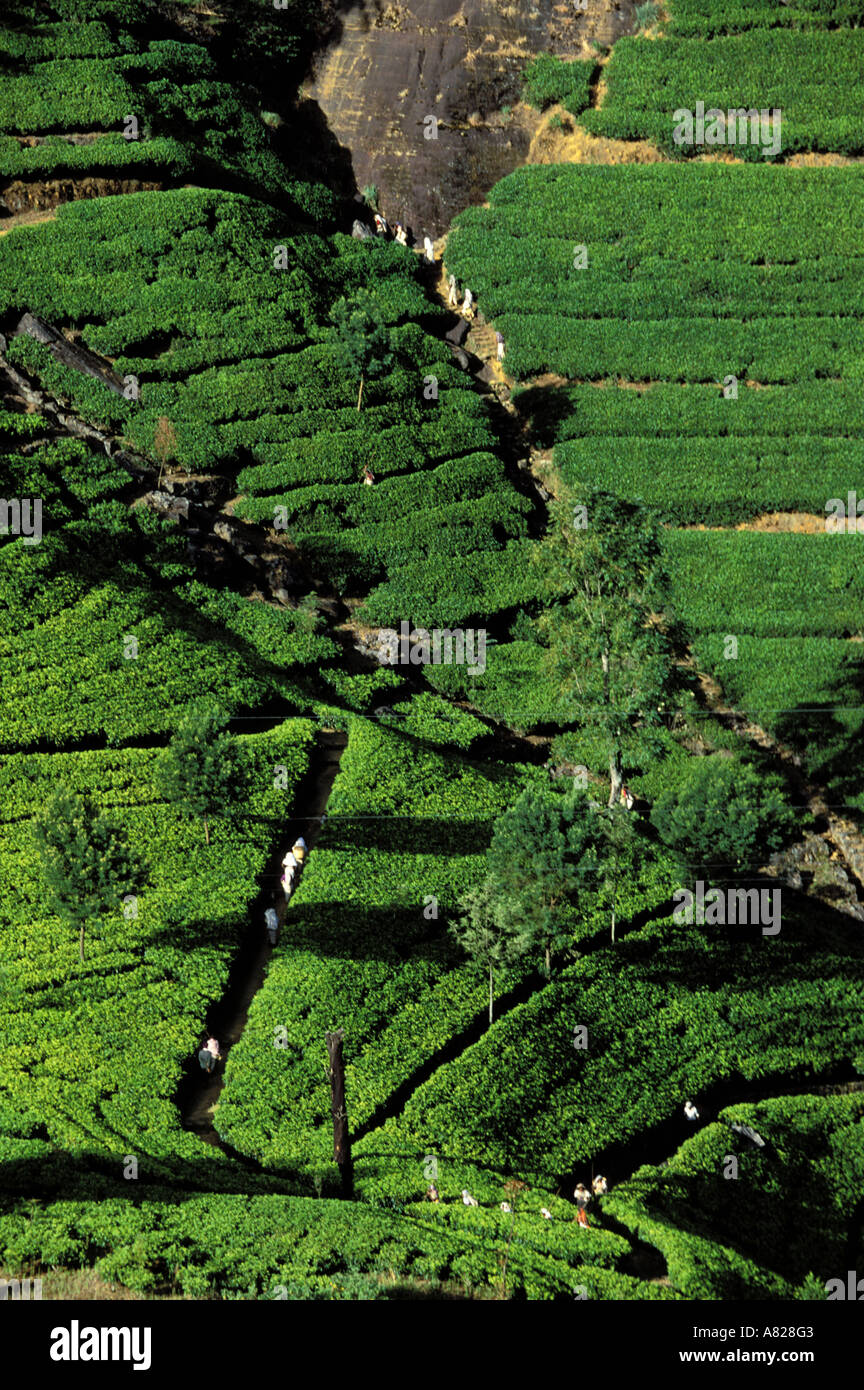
x: 393, y: 65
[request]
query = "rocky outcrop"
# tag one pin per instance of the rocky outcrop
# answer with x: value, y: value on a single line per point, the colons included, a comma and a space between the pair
x: 397, y: 63
x: 73, y: 355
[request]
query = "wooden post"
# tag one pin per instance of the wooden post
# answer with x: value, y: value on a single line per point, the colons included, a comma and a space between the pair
x: 341, y: 1137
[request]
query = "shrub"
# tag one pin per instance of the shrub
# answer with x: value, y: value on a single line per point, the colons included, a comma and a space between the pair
x: 724, y: 809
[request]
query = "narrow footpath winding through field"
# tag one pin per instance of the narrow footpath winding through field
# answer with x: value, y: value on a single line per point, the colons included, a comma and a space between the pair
x: 199, y: 1091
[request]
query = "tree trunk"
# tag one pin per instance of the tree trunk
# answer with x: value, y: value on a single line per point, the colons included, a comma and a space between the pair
x: 616, y: 777
x: 613, y: 926
x: 341, y: 1137
x: 206, y: 831
x: 548, y: 962
x: 490, y: 994
x: 81, y: 943
x: 360, y: 393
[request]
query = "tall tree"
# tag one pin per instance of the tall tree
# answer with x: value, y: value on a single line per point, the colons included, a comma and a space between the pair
x: 627, y: 861
x: 610, y: 634
x: 541, y: 861
x: 362, y: 341
x: 489, y: 933
x: 87, y: 864
x: 202, y: 769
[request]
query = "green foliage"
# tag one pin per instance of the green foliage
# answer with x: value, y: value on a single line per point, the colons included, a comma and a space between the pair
x: 87, y: 863
x: 489, y: 933
x: 74, y: 1067
x: 792, y: 1214
x: 368, y: 948
x: 723, y: 810
x: 648, y: 81
x: 203, y: 770
x: 671, y: 1011
x: 698, y: 19
x: 766, y: 583
x: 646, y: 14
x: 549, y: 80
x: 362, y: 341
x: 714, y: 481
x: 609, y: 631
x: 244, y: 361
x: 658, y: 250
x: 541, y: 862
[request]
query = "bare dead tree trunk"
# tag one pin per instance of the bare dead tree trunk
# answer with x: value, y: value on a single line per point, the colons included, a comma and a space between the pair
x: 341, y: 1137
x: 360, y: 393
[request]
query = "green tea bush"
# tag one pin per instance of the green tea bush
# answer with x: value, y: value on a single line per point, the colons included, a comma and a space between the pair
x: 549, y: 80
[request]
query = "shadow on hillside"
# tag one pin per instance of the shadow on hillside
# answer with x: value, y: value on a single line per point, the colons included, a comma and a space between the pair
x: 546, y: 409
x: 829, y: 734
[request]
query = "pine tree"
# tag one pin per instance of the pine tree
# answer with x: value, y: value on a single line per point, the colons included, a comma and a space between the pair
x: 202, y: 770
x: 542, y: 860
x: 362, y: 340
x: 87, y: 863
x: 610, y: 634
x: 490, y: 935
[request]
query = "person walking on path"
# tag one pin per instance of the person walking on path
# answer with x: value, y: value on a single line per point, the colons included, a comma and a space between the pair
x: 429, y: 250
x: 582, y: 1197
x: 452, y: 293
x: 499, y: 339
x: 271, y: 922
x: 468, y: 305
x: 300, y: 849
x: 209, y: 1055
x: 690, y: 1110
x: 289, y: 869
x: 599, y: 1186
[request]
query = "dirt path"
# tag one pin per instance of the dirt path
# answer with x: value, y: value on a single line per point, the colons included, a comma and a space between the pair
x: 25, y: 219
x: 657, y: 1146
x: 199, y: 1092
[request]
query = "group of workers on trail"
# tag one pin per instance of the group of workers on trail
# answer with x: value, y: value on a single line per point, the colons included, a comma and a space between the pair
x: 292, y: 863
x: 582, y: 1196
x: 467, y: 310
x: 400, y: 234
